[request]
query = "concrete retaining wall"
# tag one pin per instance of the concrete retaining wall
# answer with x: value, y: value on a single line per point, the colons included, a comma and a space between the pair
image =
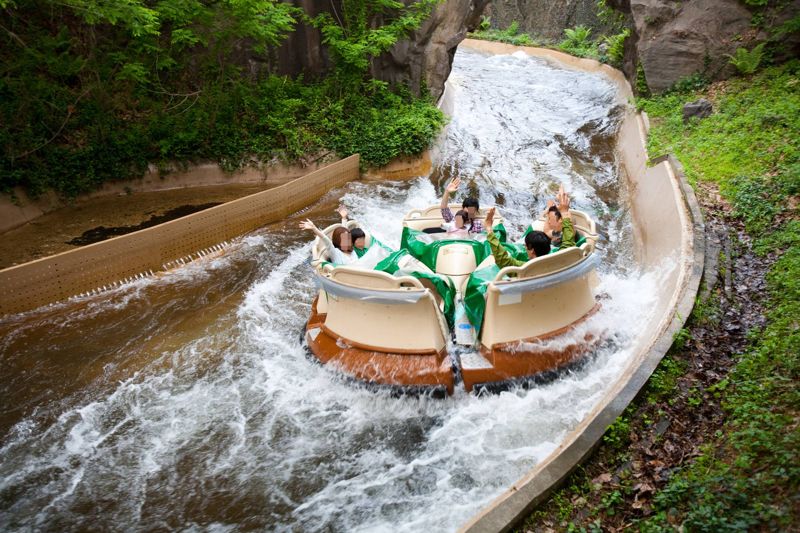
x: 669, y: 231
x: 20, y: 209
x: 30, y: 285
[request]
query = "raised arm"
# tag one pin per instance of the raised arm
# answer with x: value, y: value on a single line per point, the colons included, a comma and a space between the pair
x: 567, y: 229
x: 501, y: 256
x: 308, y: 225
x: 450, y: 189
x: 343, y: 213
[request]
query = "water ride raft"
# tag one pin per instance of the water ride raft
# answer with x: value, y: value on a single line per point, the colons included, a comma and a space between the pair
x: 439, y: 311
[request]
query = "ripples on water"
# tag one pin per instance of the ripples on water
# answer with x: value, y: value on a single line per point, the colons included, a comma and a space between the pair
x: 190, y: 401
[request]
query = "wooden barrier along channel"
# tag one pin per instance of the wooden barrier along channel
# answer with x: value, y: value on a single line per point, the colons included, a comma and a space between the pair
x: 107, y: 263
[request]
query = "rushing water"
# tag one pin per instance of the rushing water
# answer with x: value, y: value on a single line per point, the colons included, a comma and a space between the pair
x: 189, y: 401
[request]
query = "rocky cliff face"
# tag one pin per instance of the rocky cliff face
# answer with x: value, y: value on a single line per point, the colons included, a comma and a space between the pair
x: 425, y: 59
x: 673, y: 40
x: 546, y: 19
x: 422, y: 60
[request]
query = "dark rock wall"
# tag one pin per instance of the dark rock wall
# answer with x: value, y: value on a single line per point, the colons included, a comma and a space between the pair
x: 425, y: 59
x: 546, y: 19
x: 421, y: 61
x: 673, y: 40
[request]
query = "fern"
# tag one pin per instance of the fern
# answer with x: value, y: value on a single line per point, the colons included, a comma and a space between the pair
x: 616, y: 46
x: 746, y: 61
x: 578, y: 43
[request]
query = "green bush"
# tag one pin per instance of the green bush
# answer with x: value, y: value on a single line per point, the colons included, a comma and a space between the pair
x: 616, y: 46
x: 746, y: 61
x: 578, y: 43
x: 154, y: 84
x: 510, y: 35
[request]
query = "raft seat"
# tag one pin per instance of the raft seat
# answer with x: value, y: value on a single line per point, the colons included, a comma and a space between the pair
x: 543, y: 266
x: 527, y: 313
x: 431, y: 217
x: 372, y: 279
x: 411, y: 323
x: 582, y: 223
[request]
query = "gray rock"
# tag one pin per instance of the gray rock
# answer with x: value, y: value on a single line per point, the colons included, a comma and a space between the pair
x: 673, y: 40
x: 679, y: 39
x: 426, y: 57
x: 546, y: 19
x: 701, y: 108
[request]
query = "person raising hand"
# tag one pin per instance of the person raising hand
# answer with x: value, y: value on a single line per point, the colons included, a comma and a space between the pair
x: 470, y: 205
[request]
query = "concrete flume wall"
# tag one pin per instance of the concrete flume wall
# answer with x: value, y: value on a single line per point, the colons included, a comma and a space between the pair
x: 104, y: 264
x: 669, y: 231
x: 20, y: 208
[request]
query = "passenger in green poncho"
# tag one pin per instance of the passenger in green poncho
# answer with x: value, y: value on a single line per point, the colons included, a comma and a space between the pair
x: 537, y: 243
x: 357, y: 235
x: 359, y: 239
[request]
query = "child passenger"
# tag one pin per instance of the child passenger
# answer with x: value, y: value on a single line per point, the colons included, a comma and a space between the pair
x: 458, y: 228
x: 359, y: 239
x: 470, y: 205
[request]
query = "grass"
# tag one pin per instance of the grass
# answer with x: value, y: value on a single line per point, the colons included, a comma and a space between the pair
x: 750, y: 148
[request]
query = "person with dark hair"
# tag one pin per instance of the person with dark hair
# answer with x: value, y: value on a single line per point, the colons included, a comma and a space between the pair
x: 537, y: 243
x: 339, y: 245
x: 470, y: 205
x: 359, y: 239
x: 553, y: 224
x: 457, y: 229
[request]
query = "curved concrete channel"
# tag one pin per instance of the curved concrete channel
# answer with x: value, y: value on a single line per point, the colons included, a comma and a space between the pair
x: 669, y: 228
x: 667, y: 236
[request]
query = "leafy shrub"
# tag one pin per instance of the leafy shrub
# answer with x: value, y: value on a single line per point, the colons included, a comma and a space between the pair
x: 689, y: 84
x: 510, y: 35
x: 616, y: 46
x: 746, y: 61
x: 168, y: 92
x: 577, y: 42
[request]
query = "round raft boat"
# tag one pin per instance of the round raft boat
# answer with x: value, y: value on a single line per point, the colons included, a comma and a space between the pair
x: 439, y: 311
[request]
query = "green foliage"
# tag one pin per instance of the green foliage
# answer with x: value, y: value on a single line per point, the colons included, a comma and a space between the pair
x: 666, y: 375
x: 353, y: 40
x: 616, y: 46
x: 694, y: 82
x: 756, y: 3
x: 754, y: 131
x: 618, y: 434
x: 746, y: 61
x: 510, y: 35
x: 114, y: 86
x: 609, y: 15
x: 751, y: 148
x: 578, y: 43
x: 642, y: 89
x: 791, y: 26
